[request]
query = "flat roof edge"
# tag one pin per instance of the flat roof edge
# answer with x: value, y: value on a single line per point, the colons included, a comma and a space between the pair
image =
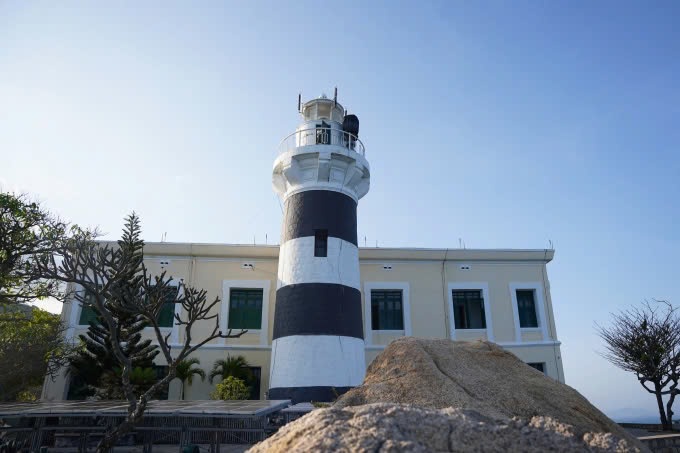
x: 365, y: 253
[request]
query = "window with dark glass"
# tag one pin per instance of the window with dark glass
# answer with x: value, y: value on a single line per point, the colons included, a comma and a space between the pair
x: 160, y: 371
x: 539, y: 366
x: 526, y: 308
x: 468, y: 309
x: 78, y: 389
x: 387, y: 309
x: 245, y: 309
x: 87, y: 313
x: 320, y: 242
x: 255, y: 383
x: 166, y: 317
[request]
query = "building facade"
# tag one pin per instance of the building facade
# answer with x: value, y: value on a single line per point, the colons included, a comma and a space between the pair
x: 501, y: 296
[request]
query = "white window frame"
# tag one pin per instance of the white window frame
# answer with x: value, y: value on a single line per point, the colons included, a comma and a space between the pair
x: 76, y: 312
x: 264, y: 285
x: 406, y: 308
x: 174, y: 336
x: 539, y: 301
x: 484, y: 287
x: 76, y: 309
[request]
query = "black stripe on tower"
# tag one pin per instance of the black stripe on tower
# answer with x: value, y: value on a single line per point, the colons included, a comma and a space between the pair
x: 318, y: 309
x: 320, y: 210
x: 300, y: 394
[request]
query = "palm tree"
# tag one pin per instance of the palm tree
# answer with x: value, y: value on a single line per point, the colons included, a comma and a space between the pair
x: 185, y: 373
x: 237, y: 367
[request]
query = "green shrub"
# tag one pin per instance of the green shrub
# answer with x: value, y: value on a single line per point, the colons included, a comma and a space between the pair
x: 231, y: 388
x: 320, y: 405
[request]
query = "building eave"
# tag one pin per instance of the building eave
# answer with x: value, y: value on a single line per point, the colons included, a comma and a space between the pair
x: 387, y: 254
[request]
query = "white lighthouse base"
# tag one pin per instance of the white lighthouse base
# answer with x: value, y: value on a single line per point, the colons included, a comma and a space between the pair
x: 317, y: 360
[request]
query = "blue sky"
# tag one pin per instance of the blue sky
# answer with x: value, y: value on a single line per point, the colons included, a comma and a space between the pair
x: 506, y: 124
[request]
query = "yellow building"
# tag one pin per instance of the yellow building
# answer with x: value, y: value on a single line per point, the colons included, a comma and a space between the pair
x: 501, y: 296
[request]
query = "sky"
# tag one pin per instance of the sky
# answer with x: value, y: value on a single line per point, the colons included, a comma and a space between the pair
x: 502, y: 124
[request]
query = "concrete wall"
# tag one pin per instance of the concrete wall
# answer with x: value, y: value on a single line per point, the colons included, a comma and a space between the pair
x: 424, y: 276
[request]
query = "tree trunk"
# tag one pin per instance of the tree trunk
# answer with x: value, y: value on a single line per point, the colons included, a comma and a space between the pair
x: 182, y: 391
x: 669, y: 409
x: 662, y: 411
x: 110, y: 438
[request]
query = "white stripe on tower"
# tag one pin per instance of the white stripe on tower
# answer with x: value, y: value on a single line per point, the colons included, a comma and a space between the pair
x: 341, y: 266
x: 336, y: 350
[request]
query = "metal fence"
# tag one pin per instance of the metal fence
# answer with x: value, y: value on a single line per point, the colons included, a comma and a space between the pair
x: 32, y: 427
x: 322, y: 136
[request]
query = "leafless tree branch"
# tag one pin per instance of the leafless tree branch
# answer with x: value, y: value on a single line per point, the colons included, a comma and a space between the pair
x: 646, y: 341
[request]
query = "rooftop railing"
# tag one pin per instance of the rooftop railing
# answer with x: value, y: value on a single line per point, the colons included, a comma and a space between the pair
x: 321, y: 136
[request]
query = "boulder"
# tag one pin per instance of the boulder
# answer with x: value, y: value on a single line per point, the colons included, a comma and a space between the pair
x: 385, y: 427
x: 479, y: 376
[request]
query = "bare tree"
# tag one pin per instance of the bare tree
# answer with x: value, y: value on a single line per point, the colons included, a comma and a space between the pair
x: 646, y: 341
x: 116, y: 280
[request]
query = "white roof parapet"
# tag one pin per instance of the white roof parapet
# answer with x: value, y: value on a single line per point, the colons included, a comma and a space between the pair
x: 365, y: 253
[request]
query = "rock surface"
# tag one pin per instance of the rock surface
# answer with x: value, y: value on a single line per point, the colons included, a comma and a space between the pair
x: 441, y: 395
x: 473, y: 375
x: 387, y: 427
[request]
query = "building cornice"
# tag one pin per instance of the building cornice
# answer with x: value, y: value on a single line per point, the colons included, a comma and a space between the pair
x: 366, y: 254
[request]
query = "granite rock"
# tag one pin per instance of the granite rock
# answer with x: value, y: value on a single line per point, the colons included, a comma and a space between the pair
x: 385, y: 427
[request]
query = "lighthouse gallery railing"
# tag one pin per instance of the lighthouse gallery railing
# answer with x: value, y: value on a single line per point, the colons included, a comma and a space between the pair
x: 321, y: 136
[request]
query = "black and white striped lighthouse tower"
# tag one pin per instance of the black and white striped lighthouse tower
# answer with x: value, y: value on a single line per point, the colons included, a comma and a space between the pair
x: 321, y: 173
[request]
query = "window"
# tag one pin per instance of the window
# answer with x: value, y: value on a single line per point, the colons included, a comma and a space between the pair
x: 166, y: 317
x: 468, y: 309
x: 323, y: 136
x: 78, y: 389
x: 323, y: 111
x: 245, y: 309
x: 87, y: 312
x: 161, y: 371
x: 539, y: 366
x: 320, y: 242
x: 387, y: 311
x: 255, y: 384
x: 526, y: 308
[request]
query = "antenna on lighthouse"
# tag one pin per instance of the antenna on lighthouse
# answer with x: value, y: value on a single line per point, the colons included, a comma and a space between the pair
x: 335, y: 97
x: 299, y: 100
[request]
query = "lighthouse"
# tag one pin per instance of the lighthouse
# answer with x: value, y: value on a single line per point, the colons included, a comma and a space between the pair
x: 321, y: 173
